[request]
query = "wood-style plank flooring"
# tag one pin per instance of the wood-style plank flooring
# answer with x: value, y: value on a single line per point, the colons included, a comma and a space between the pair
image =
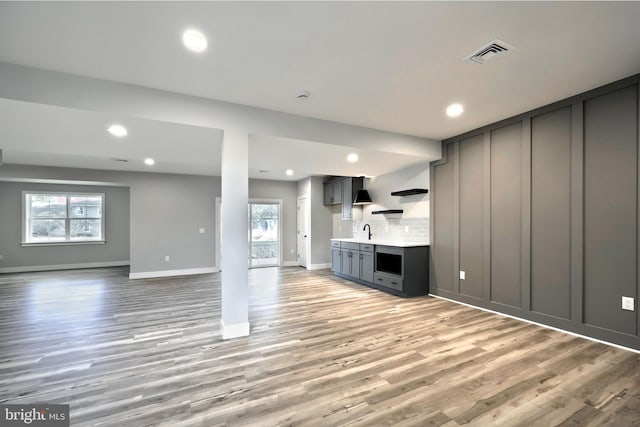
x: 322, y: 352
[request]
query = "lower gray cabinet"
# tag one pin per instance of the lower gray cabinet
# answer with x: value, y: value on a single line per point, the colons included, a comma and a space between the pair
x: 388, y: 281
x: 336, y: 257
x: 350, y: 263
x: 401, y: 271
x: 366, y: 266
x: 336, y: 260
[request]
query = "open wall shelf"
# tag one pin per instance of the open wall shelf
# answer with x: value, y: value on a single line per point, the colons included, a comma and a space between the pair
x: 388, y: 211
x: 410, y: 192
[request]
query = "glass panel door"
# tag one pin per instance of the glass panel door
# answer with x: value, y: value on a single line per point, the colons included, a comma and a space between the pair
x: 264, y: 234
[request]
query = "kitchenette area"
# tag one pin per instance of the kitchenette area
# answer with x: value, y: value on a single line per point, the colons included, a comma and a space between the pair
x: 381, y: 230
x: 399, y: 268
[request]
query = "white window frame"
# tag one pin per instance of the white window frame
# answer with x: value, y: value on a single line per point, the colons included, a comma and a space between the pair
x: 26, y: 220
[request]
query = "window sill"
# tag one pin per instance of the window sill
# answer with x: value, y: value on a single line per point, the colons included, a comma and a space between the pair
x: 88, y: 242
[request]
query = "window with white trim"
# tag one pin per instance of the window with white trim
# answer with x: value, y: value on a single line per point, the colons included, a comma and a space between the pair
x: 63, y: 217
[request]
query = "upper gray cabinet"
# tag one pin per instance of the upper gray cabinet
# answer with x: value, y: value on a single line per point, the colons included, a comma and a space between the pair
x: 342, y: 191
x: 333, y: 192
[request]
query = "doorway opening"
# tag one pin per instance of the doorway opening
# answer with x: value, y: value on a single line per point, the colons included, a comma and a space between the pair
x: 264, y: 233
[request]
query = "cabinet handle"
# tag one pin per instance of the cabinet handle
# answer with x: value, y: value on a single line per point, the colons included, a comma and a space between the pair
x: 379, y: 279
x: 393, y: 283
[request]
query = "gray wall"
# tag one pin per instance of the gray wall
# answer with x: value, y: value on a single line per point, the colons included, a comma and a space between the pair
x: 288, y: 192
x: 321, y: 224
x: 166, y: 213
x: 115, y: 249
x: 541, y: 212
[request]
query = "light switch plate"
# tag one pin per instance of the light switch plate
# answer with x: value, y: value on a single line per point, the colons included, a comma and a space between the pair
x: 463, y: 275
x: 628, y: 304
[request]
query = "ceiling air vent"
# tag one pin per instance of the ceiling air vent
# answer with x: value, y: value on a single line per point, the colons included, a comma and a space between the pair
x: 489, y: 51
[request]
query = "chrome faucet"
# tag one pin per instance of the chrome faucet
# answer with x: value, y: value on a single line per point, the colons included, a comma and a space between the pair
x: 365, y: 227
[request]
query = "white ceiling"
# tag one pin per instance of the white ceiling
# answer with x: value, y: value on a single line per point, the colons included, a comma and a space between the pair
x: 386, y: 65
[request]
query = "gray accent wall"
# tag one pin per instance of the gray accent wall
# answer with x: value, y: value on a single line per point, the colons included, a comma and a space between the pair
x: 114, y: 250
x: 471, y: 215
x: 541, y: 211
x: 442, y: 223
x: 551, y: 213
x: 505, y: 214
x: 610, y: 207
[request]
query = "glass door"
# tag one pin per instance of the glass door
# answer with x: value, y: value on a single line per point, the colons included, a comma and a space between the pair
x: 264, y: 234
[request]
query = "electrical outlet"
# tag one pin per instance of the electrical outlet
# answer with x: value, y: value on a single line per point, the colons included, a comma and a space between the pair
x: 1, y: 257
x: 167, y: 258
x: 201, y: 230
x: 628, y: 303
x: 463, y: 275
x: 406, y: 228
x: 291, y: 250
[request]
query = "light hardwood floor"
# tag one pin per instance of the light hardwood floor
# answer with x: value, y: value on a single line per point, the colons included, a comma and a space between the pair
x: 322, y: 352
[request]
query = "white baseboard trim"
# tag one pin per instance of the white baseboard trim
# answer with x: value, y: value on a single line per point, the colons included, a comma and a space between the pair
x: 290, y: 263
x: 318, y: 266
x: 170, y: 273
x: 30, y: 268
x: 235, y: 330
x: 539, y: 324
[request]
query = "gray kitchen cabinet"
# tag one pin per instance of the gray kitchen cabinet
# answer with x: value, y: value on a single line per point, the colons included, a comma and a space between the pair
x: 350, y: 187
x: 350, y: 262
x: 347, y: 200
x: 336, y: 260
x: 336, y: 189
x: 366, y: 266
x: 342, y: 191
x: 327, y: 191
x: 400, y: 270
x: 332, y: 192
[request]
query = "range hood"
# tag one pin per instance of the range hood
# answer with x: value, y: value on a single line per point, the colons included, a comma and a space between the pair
x: 362, y: 198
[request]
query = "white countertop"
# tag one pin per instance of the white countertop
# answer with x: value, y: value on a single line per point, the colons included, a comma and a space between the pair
x: 382, y: 242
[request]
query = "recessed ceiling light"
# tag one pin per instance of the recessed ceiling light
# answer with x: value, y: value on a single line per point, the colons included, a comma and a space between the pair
x: 149, y: 161
x: 353, y: 157
x: 454, y: 110
x: 194, y: 40
x: 289, y: 172
x: 117, y: 131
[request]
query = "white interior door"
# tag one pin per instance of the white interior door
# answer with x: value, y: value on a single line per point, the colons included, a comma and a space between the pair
x: 303, y: 231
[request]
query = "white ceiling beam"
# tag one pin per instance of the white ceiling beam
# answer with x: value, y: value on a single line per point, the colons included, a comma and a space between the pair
x: 55, y: 88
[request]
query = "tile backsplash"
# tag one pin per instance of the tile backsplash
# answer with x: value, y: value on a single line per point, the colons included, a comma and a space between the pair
x: 397, y: 229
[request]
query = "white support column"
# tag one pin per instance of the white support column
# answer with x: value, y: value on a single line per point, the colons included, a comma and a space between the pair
x: 234, y: 224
